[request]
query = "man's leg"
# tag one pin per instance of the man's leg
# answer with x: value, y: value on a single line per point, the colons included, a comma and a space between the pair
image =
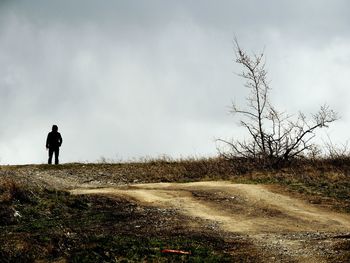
x: 50, y: 155
x: 57, y: 153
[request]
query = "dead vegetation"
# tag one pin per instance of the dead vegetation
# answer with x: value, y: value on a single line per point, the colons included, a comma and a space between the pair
x: 323, y: 179
x: 39, y: 220
x: 53, y: 226
x: 273, y: 136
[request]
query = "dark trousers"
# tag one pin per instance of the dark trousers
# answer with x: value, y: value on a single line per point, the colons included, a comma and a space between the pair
x: 51, y: 152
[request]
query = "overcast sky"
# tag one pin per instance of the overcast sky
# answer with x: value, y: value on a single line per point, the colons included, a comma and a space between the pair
x: 126, y: 79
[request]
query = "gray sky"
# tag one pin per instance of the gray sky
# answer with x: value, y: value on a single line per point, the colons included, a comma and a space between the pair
x: 125, y: 79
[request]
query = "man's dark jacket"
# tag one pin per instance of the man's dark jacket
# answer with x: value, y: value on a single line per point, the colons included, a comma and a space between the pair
x: 54, y: 140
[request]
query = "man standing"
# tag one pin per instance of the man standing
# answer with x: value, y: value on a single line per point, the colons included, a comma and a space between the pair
x: 53, y: 143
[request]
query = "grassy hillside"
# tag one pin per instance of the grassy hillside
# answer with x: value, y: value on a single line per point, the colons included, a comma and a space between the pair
x: 39, y: 220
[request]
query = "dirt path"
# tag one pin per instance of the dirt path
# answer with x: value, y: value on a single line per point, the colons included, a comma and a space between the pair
x: 275, y: 222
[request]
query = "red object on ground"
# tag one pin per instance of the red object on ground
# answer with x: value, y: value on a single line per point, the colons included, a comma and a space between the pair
x: 173, y: 251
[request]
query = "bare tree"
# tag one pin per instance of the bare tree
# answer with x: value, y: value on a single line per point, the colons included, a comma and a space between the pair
x: 274, y: 136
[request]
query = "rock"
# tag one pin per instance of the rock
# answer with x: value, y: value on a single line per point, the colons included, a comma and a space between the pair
x: 17, y: 214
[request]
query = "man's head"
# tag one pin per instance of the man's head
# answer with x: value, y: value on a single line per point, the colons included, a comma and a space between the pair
x: 54, y: 128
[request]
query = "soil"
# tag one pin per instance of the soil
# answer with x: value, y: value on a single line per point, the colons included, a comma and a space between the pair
x: 277, y: 225
x: 288, y: 228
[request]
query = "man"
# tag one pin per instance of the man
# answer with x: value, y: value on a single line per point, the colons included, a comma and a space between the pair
x: 53, y: 143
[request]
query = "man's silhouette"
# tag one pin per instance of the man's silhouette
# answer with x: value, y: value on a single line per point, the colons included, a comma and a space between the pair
x: 53, y: 143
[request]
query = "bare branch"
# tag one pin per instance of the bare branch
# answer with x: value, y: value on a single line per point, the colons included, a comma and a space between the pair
x: 272, y: 134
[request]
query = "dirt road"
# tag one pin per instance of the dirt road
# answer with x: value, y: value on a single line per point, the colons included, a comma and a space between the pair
x: 288, y: 228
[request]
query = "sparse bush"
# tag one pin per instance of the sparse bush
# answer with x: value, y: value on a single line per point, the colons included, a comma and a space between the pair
x: 337, y: 152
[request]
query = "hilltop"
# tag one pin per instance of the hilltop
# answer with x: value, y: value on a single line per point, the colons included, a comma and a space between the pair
x: 217, y: 210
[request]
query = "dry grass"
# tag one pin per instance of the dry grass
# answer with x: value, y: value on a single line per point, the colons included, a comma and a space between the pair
x: 321, y: 180
x: 11, y: 194
x: 56, y: 226
x: 11, y: 191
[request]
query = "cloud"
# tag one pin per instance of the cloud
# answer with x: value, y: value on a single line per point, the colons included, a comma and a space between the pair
x: 123, y: 79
